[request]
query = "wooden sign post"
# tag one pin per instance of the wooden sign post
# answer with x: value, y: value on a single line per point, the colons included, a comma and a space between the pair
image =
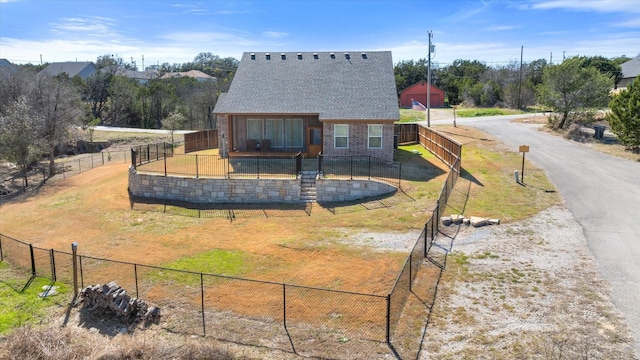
x: 523, y: 149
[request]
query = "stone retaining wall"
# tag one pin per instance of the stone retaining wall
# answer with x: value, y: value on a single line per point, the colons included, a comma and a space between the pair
x: 331, y: 190
x: 206, y: 190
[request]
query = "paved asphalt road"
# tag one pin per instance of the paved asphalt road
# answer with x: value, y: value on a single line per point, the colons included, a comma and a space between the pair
x: 602, y: 192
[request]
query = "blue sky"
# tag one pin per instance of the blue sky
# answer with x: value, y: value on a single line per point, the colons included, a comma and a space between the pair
x: 176, y: 31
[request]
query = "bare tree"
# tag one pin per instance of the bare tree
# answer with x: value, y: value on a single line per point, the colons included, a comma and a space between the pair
x: 173, y: 122
x: 59, y: 104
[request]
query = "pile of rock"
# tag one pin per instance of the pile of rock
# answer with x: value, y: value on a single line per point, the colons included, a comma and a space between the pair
x: 475, y: 221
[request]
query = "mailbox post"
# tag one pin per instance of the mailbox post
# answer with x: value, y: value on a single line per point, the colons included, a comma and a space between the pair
x: 523, y: 149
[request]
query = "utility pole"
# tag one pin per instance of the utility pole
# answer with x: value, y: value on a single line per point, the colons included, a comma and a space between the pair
x: 429, y: 82
x: 520, y: 81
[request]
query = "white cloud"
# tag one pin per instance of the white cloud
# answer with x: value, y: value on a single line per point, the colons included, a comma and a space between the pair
x: 274, y: 34
x: 628, y: 6
x: 631, y: 23
x: 500, y: 28
x: 90, y: 26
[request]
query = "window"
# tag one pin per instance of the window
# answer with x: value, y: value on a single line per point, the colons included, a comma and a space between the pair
x: 254, y: 129
x: 275, y: 132
x: 285, y: 132
x: 294, y: 132
x: 341, y: 136
x: 375, y: 136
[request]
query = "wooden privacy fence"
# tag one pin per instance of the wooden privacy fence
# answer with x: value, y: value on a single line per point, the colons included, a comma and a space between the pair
x: 407, y: 133
x: 443, y: 147
x: 201, y: 140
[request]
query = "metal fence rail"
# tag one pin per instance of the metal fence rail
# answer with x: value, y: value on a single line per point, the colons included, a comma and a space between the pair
x: 360, y: 167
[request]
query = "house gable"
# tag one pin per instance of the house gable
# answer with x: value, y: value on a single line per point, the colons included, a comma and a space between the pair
x: 630, y: 70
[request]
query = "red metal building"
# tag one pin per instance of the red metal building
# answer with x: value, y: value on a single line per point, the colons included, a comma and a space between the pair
x: 418, y: 92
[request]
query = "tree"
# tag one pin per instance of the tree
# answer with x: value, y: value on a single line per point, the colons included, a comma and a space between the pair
x: 625, y: 115
x: 409, y: 72
x: 96, y: 92
x: 19, y: 139
x: 122, y: 98
x: 59, y: 104
x: 606, y: 66
x: 173, y: 122
x: 568, y: 87
x: 459, y: 77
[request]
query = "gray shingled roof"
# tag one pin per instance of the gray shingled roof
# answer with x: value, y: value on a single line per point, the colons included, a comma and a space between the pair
x: 70, y: 68
x: 360, y: 86
x: 631, y: 68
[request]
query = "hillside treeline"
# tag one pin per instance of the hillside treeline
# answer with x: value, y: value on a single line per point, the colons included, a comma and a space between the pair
x: 473, y: 83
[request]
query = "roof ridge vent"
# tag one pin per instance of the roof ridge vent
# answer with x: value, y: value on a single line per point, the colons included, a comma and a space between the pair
x: 364, y: 55
x: 267, y: 56
x: 283, y: 56
x: 299, y: 56
x: 332, y: 55
x: 347, y: 56
x: 253, y: 56
x: 315, y: 56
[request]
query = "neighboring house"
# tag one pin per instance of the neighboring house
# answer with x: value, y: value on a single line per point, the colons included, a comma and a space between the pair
x: 196, y: 74
x: 142, y: 77
x: 6, y: 65
x: 72, y: 69
x: 418, y: 92
x: 337, y: 103
x: 630, y: 70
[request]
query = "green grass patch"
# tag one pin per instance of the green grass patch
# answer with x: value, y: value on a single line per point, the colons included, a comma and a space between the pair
x: 25, y: 307
x: 486, y: 112
x: 408, y: 115
x: 216, y: 261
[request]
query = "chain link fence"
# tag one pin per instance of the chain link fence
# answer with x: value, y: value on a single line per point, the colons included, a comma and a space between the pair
x: 305, y: 320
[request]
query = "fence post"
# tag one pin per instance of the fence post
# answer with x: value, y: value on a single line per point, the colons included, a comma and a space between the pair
x: 197, y: 172
x: 91, y: 161
x: 369, y: 175
x: 389, y: 319
x: 74, y: 253
x: 165, y: 163
x: 102, y: 155
x: 53, y: 265
x: 351, y: 167
x: 1, y: 256
x: 284, y: 305
x: 204, y: 323
x: 319, y: 162
x: 399, y: 174
x: 33, y: 261
x: 135, y: 275
x: 298, y: 163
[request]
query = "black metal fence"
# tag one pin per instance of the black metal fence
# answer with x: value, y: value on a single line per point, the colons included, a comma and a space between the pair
x: 214, y: 166
x: 152, y: 159
x: 64, y: 168
x: 360, y: 167
x: 143, y: 154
